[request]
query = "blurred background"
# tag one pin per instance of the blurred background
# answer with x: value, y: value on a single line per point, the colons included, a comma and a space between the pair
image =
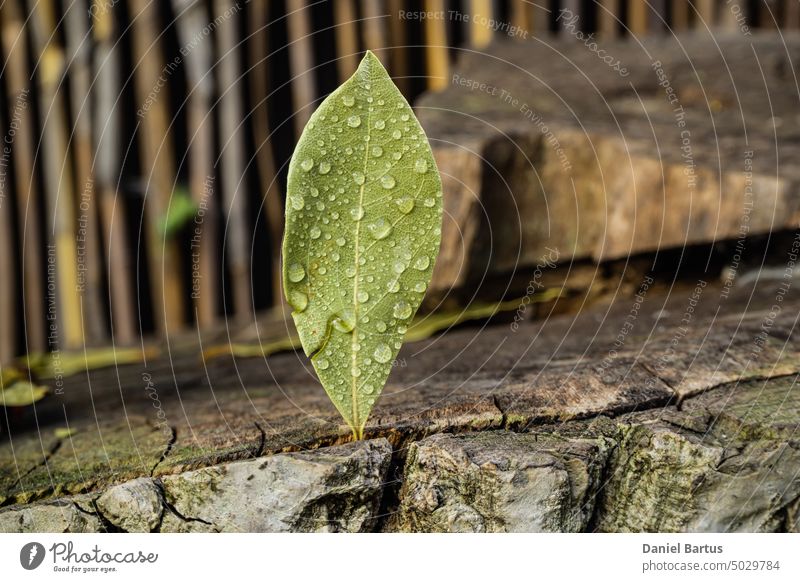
x: 145, y: 144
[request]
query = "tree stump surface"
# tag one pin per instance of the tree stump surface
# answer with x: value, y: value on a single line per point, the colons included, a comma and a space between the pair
x: 567, y: 424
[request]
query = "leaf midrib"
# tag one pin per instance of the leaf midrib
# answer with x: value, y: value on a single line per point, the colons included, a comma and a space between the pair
x: 354, y: 353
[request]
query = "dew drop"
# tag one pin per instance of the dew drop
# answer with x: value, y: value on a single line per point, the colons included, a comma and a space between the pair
x: 357, y: 213
x: 350, y: 271
x: 307, y: 164
x: 340, y: 241
x: 323, y: 364
x: 420, y: 287
x: 382, y: 353
x: 404, y: 117
x: 324, y: 167
x: 420, y: 166
x: 380, y: 326
x: 422, y: 263
x: 354, y: 121
x: 399, y: 267
x: 405, y: 204
x: 380, y: 124
x: 377, y: 151
x: 393, y: 286
x: 314, y: 232
x: 356, y: 372
x: 358, y: 177
x: 387, y: 181
x: 363, y: 296
x: 298, y: 300
x: 348, y: 100
x: 296, y: 272
x: 380, y: 228
x: 346, y: 321
x: 369, y: 389
x: 429, y: 202
x: 397, y: 134
x: 297, y: 202
x: 402, y: 310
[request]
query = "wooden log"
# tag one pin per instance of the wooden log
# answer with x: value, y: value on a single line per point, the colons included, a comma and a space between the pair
x: 580, y: 389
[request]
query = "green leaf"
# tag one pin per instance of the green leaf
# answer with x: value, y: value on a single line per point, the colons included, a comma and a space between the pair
x: 181, y: 210
x: 363, y: 226
x: 22, y: 393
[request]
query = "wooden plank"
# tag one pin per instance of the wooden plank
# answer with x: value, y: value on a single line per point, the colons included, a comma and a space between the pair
x: 238, y: 232
x: 91, y: 282
x: 436, y: 48
x: 59, y: 191
x: 192, y: 17
x: 152, y: 88
x: 608, y: 15
x: 106, y: 168
x: 301, y: 62
x: 480, y: 32
x: 344, y: 15
x: 259, y: 30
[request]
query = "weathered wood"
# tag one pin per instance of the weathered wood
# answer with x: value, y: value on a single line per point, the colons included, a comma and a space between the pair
x: 174, y: 415
x: 544, y: 145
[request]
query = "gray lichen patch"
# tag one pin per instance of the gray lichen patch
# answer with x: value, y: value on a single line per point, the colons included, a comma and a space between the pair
x: 500, y: 482
x: 334, y: 489
x: 59, y: 516
x: 134, y: 506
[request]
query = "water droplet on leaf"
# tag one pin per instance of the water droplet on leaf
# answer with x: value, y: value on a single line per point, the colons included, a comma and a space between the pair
x: 296, y: 272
